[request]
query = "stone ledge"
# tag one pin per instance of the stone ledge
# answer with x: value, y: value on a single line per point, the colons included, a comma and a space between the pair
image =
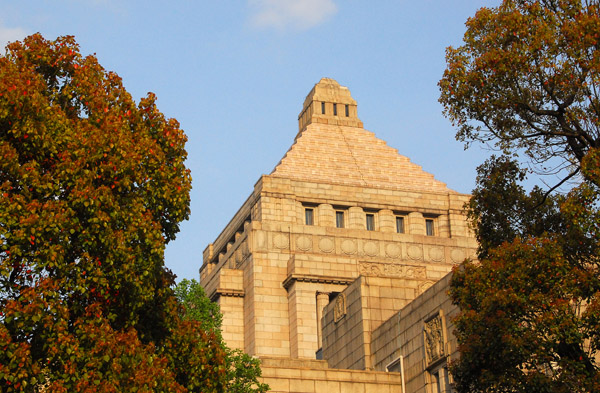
x: 313, y: 278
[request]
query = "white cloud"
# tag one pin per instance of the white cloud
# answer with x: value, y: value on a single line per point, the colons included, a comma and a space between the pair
x: 294, y: 14
x: 8, y: 34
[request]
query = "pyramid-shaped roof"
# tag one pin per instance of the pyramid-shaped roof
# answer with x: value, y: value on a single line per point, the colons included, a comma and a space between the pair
x: 333, y: 147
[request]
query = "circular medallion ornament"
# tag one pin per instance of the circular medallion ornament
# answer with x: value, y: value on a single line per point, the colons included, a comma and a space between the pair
x: 280, y: 241
x: 424, y: 286
x: 457, y: 255
x: 415, y: 252
x: 392, y: 250
x: 371, y: 249
x: 436, y: 254
x: 326, y: 244
x: 348, y: 247
x: 304, y: 243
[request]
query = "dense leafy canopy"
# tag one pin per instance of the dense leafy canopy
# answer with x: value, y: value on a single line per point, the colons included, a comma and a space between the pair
x: 92, y: 187
x: 529, y: 316
x: 243, y: 370
x: 526, y: 80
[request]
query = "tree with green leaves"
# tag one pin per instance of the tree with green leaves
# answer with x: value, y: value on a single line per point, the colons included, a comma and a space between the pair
x: 243, y: 370
x: 92, y: 188
x: 526, y: 81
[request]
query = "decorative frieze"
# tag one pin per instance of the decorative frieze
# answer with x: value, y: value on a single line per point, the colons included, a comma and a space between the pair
x: 392, y: 270
x: 370, y: 248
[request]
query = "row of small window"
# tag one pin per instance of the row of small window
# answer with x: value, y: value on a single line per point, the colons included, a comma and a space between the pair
x: 335, y: 111
x: 370, y: 221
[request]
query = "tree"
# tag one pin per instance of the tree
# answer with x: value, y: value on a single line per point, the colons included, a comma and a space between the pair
x: 243, y: 370
x: 526, y: 81
x: 92, y: 188
x: 529, y: 308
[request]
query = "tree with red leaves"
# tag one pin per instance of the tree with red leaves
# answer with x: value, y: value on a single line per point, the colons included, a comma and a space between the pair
x: 92, y: 188
x: 527, y: 80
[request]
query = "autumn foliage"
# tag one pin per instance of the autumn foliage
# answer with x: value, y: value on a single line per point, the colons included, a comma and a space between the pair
x: 526, y: 81
x: 92, y: 188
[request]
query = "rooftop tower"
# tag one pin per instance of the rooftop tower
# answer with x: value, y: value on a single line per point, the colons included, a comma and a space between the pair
x: 342, y: 209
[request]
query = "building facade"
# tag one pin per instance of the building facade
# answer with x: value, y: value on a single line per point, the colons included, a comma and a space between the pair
x: 320, y: 271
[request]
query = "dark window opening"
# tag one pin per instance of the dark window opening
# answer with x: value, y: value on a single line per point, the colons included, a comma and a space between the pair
x: 347, y: 111
x: 429, y: 227
x: 308, y: 216
x: 370, y: 222
x: 332, y: 296
x: 335, y: 109
x: 339, y: 219
x: 399, y: 224
x: 322, y: 108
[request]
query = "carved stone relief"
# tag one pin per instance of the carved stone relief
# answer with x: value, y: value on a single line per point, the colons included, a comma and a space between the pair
x: 434, y: 339
x: 348, y: 247
x: 457, y: 255
x: 391, y: 270
x: 371, y: 249
x: 304, y: 243
x: 339, y: 309
x: 436, y: 254
x: 392, y: 250
x: 326, y: 244
x: 415, y: 252
x: 281, y: 241
x: 425, y: 286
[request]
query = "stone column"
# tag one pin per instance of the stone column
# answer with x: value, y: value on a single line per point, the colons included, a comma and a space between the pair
x: 322, y: 301
x: 443, y: 226
x: 416, y: 223
x: 326, y: 216
x: 387, y: 221
x: 356, y: 218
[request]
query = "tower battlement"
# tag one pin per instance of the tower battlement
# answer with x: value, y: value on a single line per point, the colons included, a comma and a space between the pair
x: 329, y: 103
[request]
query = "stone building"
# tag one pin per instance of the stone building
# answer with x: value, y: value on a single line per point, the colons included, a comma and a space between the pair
x: 334, y: 270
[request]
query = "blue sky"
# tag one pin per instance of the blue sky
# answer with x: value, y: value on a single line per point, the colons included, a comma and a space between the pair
x: 235, y: 75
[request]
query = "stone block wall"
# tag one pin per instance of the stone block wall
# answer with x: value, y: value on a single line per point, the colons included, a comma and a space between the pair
x: 405, y: 335
x: 369, y: 302
x: 313, y: 376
